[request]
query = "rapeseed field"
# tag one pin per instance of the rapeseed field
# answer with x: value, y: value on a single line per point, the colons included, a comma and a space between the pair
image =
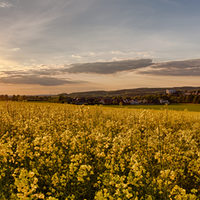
x: 63, y: 152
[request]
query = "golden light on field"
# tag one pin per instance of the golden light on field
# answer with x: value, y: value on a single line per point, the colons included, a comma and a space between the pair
x: 56, y: 151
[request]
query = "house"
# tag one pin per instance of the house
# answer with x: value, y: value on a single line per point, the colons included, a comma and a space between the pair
x: 134, y: 102
x: 170, y: 91
x: 197, y: 92
x: 145, y: 101
x: 79, y: 101
x: 126, y: 101
x: 105, y: 101
x: 187, y: 93
x: 165, y: 102
x: 102, y: 101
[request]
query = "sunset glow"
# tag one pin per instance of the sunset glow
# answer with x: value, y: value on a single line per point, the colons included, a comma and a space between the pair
x: 50, y: 47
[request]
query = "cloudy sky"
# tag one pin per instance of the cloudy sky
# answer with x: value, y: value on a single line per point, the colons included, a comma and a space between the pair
x: 51, y: 46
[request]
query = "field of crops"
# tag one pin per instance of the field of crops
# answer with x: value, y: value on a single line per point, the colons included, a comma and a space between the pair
x: 179, y: 107
x: 56, y: 151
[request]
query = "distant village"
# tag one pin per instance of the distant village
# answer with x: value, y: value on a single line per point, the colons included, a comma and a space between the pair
x: 170, y: 96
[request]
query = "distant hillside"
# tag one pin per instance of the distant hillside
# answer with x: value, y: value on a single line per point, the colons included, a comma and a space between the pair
x: 129, y: 92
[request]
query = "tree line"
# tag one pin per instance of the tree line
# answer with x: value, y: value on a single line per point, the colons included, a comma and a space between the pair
x: 109, y: 100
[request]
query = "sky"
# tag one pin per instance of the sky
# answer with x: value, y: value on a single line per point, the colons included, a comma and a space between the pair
x: 51, y: 46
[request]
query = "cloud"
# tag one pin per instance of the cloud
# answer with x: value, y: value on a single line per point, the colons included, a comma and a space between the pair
x: 51, y: 72
x: 49, y: 76
x: 35, y: 80
x: 108, y: 67
x: 5, y: 4
x: 175, y: 68
x: 116, y: 52
x: 90, y: 68
x: 42, y: 76
x: 76, y: 56
x: 15, y: 49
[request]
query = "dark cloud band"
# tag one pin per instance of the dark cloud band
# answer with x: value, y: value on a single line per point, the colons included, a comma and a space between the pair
x: 49, y: 76
x: 109, y: 67
x: 175, y: 68
x: 35, y: 80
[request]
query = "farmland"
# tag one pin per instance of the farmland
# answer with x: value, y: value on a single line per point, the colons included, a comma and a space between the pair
x: 178, y: 107
x: 57, y: 151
